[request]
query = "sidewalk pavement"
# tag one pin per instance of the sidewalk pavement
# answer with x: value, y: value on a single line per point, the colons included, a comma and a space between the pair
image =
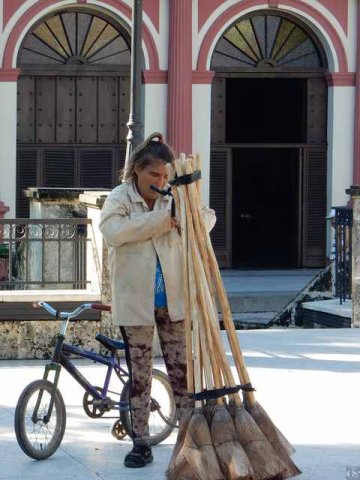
x: 307, y: 380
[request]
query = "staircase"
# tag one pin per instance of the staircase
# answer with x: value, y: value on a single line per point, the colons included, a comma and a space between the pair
x: 257, y: 296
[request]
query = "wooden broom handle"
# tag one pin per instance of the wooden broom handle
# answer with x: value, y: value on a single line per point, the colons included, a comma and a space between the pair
x: 213, y: 333
x: 227, y: 317
x: 197, y: 370
x: 209, y: 325
x: 180, y: 207
x: 209, y: 256
x: 193, y: 196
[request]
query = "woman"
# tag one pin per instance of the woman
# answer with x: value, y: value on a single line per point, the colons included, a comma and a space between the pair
x: 145, y: 262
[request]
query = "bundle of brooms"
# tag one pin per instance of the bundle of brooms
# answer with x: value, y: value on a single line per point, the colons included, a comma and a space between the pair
x: 221, y: 435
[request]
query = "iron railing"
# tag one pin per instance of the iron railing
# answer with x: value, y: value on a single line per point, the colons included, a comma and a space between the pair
x: 46, y: 253
x: 343, y: 252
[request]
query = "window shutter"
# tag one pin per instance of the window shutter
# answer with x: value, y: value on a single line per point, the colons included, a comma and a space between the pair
x: 96, y: 168
x: 314, y: 213
x: 59, y: 168
x: 220, y: 201
x: 25, y: 177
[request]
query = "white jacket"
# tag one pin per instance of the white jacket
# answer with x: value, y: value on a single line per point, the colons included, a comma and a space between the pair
x: 134, y: 236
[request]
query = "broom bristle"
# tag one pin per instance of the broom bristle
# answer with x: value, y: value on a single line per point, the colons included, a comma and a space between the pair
x: 270, y: 431
x: 232, y: 458
x: 197, y: 456
x: 284, y: 442
x: 268, y: 427
x: 183, y: 425
x: 264, y: 460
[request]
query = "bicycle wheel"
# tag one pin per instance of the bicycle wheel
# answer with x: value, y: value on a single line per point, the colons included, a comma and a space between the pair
x: 162, y: 408
x: 38, y: 438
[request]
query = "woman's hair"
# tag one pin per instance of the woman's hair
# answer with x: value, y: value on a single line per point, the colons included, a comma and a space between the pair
x: 152, y: 149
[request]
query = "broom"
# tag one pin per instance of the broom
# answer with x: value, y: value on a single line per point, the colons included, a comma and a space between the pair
x: 265, y: 474
x: 233, y: 460
x: 186, y: 415
x: 274, y: 436
x: 262, y: 419
x: 194, y: 456
x: 261, y: 460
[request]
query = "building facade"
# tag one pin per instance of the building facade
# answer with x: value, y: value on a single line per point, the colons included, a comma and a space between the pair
x: 267, y: 92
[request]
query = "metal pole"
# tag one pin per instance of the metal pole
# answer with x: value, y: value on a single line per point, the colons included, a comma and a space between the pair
x: 134, y: 136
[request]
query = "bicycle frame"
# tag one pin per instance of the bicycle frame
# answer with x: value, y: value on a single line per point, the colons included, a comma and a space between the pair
x: 41, y: 435
x: 61, y: 359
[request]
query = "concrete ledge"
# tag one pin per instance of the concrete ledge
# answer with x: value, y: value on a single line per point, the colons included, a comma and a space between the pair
x: 49, y: 296
x: 331, y: 306
x: 327, y: 313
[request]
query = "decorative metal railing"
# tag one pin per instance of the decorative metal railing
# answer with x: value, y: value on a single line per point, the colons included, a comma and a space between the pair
x: 343, y: 252
x: 46, y: 253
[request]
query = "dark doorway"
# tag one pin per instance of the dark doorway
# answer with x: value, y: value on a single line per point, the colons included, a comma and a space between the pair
x: 265, y: 207
x: 265, y: 110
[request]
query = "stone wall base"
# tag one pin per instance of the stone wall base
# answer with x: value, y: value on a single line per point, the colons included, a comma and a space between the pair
x: 35, y: 339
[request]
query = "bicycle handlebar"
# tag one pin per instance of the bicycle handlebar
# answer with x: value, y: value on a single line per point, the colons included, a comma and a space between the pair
x: 74, y: 313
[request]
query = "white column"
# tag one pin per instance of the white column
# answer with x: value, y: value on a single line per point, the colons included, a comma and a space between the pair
x: 201, y: 132
x: 155, y: 107
x: 340, y: 150
x: 341, y: 143
x: 8, y: 100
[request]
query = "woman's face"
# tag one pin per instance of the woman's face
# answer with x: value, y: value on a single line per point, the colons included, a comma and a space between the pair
x: 153, y: 174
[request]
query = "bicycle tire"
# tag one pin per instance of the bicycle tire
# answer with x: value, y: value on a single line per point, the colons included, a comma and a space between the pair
x: 39, y: 440
x: 159, y: 429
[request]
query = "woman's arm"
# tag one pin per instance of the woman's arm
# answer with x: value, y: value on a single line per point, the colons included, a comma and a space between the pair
x: 209, y: 217
x: 119, y: 225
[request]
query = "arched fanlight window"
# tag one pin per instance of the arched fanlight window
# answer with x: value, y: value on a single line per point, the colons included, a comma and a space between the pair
x: 75, y: 38
x: 267, y: 41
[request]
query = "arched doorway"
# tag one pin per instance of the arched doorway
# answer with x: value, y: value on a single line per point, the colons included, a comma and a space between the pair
x: 73, y: 103
x: 268, y: 152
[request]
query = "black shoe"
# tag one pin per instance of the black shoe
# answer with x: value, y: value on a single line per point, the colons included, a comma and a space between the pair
x: 139, y: 456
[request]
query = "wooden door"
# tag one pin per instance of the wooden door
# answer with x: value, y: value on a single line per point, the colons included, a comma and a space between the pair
x: 71, y: 131
x: 221, y: 202
x: 314, y: 207
x: 315, y: 176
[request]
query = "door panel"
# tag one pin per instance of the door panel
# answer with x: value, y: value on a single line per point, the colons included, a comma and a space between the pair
x: 316, y: 110
x: 65, y: 110
x: 96, y: 168
x: 124, y: 105
x: 72, y: 109
x: 218, y: 110
x: 64, y: 167
x: 314, y: 206
x: 26, y: 176
x: 86, y: 128
x: 26, y: 109
x: 108, y: 109
x: 45, y: 109
x: 58, y: 168
x: 220, y: 201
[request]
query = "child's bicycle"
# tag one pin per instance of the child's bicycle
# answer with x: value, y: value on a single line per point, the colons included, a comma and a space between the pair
x: 40, y: 415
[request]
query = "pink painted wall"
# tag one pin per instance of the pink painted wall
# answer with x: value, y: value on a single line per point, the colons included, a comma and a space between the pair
x: 206, y: 7
x: 152, y: 7
x: 10, y: 7
x: 339, y: 8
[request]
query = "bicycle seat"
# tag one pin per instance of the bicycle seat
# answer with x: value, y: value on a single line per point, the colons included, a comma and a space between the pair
x: 109, y: 342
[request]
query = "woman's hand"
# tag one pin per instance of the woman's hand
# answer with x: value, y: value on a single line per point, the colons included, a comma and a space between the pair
x: 175, y: 223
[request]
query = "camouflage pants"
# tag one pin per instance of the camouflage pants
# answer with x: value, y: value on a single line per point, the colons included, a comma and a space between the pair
x: 139, y: 357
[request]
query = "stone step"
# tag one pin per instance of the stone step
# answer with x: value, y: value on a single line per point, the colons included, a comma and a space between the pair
x: 245, y: 321
x: 244, y: 302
